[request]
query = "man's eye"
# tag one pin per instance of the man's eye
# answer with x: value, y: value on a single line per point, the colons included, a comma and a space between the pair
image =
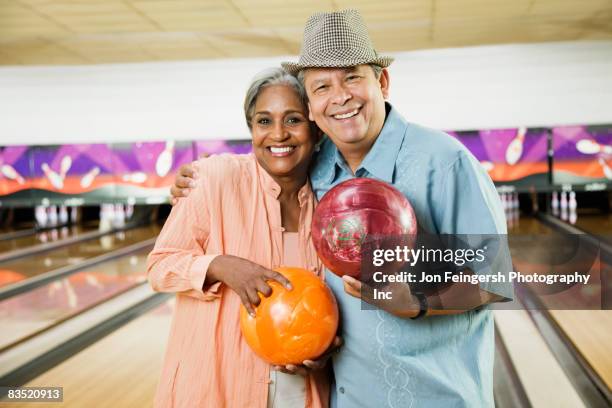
x: 351, y: 77
x: 320, y: 88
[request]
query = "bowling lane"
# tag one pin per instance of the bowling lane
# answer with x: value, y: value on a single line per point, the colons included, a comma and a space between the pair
x: 120, y: 370
x: 22, y: 230
x: 42, y: 237
x: 23, y: 268
x: 26, y: 314
x: 590, y: 331
x: 597, y: 225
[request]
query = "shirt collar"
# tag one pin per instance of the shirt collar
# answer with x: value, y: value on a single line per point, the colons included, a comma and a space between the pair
x: 271, y: 186
x: 380, y: 160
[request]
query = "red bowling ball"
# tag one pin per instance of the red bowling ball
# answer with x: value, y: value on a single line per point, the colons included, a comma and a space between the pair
x: 354, y: 211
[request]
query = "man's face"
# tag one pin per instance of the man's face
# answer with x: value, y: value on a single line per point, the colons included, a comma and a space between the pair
x: 347, y: 103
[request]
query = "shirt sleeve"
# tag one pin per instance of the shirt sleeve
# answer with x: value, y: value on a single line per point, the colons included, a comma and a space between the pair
x: 179, y: 261
x: 468, y: 209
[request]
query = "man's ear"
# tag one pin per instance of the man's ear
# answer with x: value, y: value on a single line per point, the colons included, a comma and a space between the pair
x: 384, y: 83
x: 310, y: 113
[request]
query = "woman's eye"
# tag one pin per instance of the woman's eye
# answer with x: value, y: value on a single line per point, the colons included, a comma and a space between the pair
x: 321, y: 88
x: 294, y: 120
x: 351, y: 77
x: 263, y: 121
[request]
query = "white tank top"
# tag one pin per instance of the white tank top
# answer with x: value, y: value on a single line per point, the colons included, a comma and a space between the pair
x: 286, y: 390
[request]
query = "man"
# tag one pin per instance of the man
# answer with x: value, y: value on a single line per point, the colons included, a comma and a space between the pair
x: 411, y: 351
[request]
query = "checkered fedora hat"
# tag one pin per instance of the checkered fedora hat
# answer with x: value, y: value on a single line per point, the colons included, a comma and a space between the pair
x: 338, y: 39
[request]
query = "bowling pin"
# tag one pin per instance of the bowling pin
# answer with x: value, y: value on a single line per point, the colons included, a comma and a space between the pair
x: 64, y: 232
x: 129, y: 211
x: 573, y: 216
x: 89, y: 177
x: 65, y: 165
x: 56, y: 181
x: 10, y: 173
x: 515, y: 148
x: 136, y: 177
x: 165, y: 159
x: 563, y: 203
x: 54, y: 234
x: 63, y: 215
x: 588, y: 146
x: 564, y: 214
x: 73, y: 214
x: 555, y: 203
x: 606, y: 169
x: 572, y: 203
x: 52, y: 215
x: 41, y: 216
x: 105, y: 218
x: 119, y: 216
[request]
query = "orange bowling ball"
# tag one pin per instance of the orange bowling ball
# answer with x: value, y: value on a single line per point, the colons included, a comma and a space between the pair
x: 291, y: 326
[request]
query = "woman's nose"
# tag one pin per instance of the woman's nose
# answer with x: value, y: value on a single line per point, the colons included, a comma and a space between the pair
x: 280, y: 132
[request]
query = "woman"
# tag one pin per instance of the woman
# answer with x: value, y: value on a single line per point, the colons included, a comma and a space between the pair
x: 248, y: 214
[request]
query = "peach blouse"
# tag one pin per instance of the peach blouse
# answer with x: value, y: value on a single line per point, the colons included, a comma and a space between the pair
x: 234, y: 210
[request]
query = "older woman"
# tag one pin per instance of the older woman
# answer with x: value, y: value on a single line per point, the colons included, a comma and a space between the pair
x: 248, y: 215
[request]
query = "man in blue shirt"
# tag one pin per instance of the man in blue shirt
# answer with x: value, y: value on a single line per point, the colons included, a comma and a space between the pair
x: 388, y: 359
x: 414, y: 351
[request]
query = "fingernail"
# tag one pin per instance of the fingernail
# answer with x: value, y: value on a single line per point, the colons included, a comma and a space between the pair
x: 192, y: 184
x: 252, y: 314
x: 289, y: 286
x: 185, y: 191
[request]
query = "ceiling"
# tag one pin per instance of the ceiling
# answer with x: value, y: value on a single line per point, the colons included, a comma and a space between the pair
x: 50, y: 32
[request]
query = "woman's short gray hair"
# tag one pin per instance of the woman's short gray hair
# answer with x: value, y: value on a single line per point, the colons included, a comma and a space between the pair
x: 269, y: 77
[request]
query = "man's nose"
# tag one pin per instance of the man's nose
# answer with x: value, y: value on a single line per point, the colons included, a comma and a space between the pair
x: 341, y: 95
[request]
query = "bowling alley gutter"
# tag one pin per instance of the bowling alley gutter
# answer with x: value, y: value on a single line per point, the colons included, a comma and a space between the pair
x: 20, y: 253
x: 36, y: 281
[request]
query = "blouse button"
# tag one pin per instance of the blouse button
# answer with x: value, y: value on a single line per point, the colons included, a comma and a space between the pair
x: 282, y: 229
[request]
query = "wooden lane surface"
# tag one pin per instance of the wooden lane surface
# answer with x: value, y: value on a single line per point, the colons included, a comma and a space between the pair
x: 35, y: 239
x: 590, y: 331
x: 120, y: 370
x: 598, y: 225
x: 75, y: 253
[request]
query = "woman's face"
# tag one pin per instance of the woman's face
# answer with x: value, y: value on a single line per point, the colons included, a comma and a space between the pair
x: 282, y: 139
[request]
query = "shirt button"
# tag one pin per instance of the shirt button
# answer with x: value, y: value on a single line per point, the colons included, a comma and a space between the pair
x: 282, y: 229
x: 341, y: 389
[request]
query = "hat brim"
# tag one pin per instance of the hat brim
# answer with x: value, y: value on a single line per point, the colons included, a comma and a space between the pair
x: 294, y: 67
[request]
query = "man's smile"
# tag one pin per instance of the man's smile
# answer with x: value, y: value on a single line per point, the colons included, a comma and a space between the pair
x: 346, y: 115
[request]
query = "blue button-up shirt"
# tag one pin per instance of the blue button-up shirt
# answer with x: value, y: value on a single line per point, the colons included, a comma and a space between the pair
x: 442, y: 361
